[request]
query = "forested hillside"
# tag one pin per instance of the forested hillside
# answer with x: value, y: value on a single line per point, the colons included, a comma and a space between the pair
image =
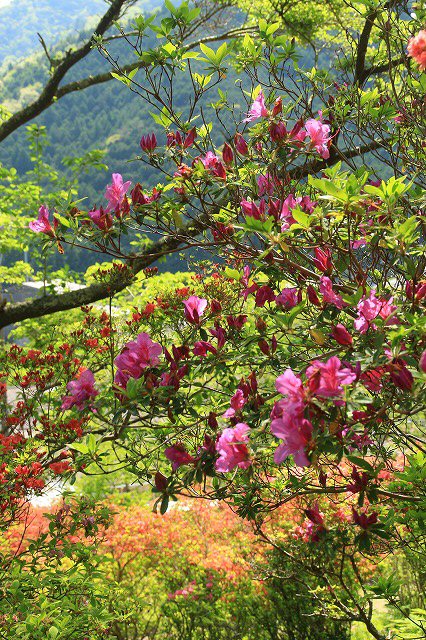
x: 21, y: 20
x: 107, y: 117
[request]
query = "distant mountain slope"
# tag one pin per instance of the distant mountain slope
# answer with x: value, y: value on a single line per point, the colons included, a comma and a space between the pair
x: 21, y: 20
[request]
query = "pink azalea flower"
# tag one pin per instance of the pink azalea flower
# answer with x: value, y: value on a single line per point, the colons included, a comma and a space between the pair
x: 212, y: 164
x: 322, y: 260
x: 227, y: 154
x: 136, y: 356
x: 363, y: 520
x: 330, y: 296
x: 315, y: 515
x: 116, y: 191
x: 258, y: 109
x: 101, y: 219
x: 328, y: 379
x: 288, y: 422
x: 252, y: 210
x: 237, y: 402
x: 290, y: 385
x: 297, y: 134
x: 194, y: 308
x: 289, y: 298
x: 178, y: 455
x: 278, y: 131
x: 417, y: 49
x: 264, y: 294
x: 295, y: 432
x: 42, y: 224
x: 266, y: 184
x: 372, y: 307
x: 241, y: 144
x: 81, y: 390
x: 220, y: 334
x: 319, y: 134
x: 209, y: 160
x: 290, y: 203
x: 232, y: 448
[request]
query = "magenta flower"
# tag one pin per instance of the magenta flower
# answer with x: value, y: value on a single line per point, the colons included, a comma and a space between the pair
x: 42, y: 224
x: 266, y: 184
x: 315, y: 515
x: 328, y: 294
x: 290, y: 385
x: 372, y: 307
x: 422, y: 362
x: 264, y: 294
x: 319, y: 135
x: 278, y: 131
x: 81, y: 390
x: 289, y: 298
x: 252, y: 210
x: 327, y: 380
x: 363, y: 520
x: 210, y: 160
x: 241, y: 144
x: 116, y: 191
x: 258, y: 109
x: 238, y: 401
x: 227, y: 154
x: 295, y: 432
x: 135, y: 357
x: 232, y: 448
x: 202, y: 347
x: 288, y: 422
x: 400, y: 375
x: 342, y: 335
x: 194, y: 309
x: 148, y: 143
x: 178, y: 455
x: 297, y: 134
x: 101, y: 219
x: 323, y: 261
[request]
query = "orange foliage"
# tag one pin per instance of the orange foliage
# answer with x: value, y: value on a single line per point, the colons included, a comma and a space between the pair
x: 205, y: 534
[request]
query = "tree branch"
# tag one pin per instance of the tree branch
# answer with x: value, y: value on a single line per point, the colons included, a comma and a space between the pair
x: 364, y: 38
x: 48, y: 94
x: 90, y: 81
x: 38, y: 307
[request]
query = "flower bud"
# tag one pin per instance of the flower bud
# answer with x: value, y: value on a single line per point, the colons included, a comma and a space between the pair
x: 227, y: 154
x: 148, y: 143
x: 342, y: 335
x: 241, y: 144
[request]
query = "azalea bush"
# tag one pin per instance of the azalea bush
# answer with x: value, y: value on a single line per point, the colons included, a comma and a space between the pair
x: 291, y: 367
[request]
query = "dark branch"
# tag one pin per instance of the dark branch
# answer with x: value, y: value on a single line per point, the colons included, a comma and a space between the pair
x: 360, y: 72
x: 35, y: 308
x: 385, y: 67
x: 48, y: 94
